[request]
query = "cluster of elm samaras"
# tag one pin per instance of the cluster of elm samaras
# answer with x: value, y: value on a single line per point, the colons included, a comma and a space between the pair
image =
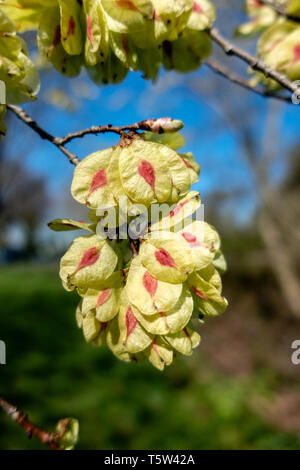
x: 143, y: 296
x: 19, y: 78
x: 279, y: 43
x: 111, y: 37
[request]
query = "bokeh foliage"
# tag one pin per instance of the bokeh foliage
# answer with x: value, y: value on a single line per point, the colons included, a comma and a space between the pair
x: 51, y: 372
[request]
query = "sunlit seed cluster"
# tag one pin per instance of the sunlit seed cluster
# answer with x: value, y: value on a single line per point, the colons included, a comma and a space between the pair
x: 279, y: 43
x: 142, y: 297
x: 18, y: 73
x: 111, y: 37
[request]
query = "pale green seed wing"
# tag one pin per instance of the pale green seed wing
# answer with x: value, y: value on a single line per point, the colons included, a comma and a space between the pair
x: 71, y: 33
x: 282, y: 57
x: 184, y: 341
x: 207, y: 297
x: 78, y: 315
x: 154, y: 32
x: 110, y: 71
x: 173, y: 140
x: 174, y: 15
x: 65, y: 225
x: 87, y: 262
x: 192, y: 166
x: 10, y: 47
x: 181, y: 180
x: 125, y: 15
x: 167, y: 256
x: 212, y: 276
x: 170, y: 321
x: 115, y: 343
x: 104, y: 302
x: 90, y: 326
x: 50, y: 46
x: 144, y: 172
x: 272, y: 37
x: 2, y: 122
x: 203, y: 241
x: 68, y: 435
x: 149, y: 62
x: 202, y: 17
x: 133, y: 336
x: 6, y: 24
x: 220, y: 262
x: 147, y: 294
x: 100, y: 340
x: 22, y: 78
x: 97, y: 34
x: 113, y: 175
x: 260, y: 18
x: 174, y: 216
x: 159, y: 353
x: 124, y: 48
x: 90, y: 185
x: 187, y: 52
x: 24, y: 19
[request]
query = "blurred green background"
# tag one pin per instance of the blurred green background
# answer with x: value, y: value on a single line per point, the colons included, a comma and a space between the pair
x: 239, y: 390
x: 208, y: 401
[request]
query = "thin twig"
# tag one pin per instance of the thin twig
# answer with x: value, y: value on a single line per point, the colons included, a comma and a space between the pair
x: 155, y: 125
x: 280, y: 10
x: 133, y: 249
x: 254, y: 62
x: 23, y: 116
x: 146, y: 125
x: 48, y: 438
x: 224, y: 72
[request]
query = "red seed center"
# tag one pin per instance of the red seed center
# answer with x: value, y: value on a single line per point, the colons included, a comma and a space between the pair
x: 131, y: 322
x: 72, y: 26
x: 197, y: 8
x: 89, y: 258
x: 89, y: 29
x: 56, y: 39
x: 187, y: 334
x: 187, y: 163
x: 164, y: 258
x: 296, y: 52
x: 150, y: 283
x: 177, y: 208
x: 189, y: 237
x: 126, y: 4
x: 103, y: 297
x: 147, y: 172
x: 99, y: 180
x: 199, y: 293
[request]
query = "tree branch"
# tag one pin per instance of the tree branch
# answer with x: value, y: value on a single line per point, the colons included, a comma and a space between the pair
x: 254, y: 62
x: 280, y: 10
x: 224, y: 72
x: 158, y: 126
x: 23, y: 116
x: 50, y: 439
x: 146, y: 125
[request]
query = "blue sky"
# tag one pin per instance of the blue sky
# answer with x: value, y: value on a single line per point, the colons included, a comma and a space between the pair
x: 133, y: 100
x: 207, y: 134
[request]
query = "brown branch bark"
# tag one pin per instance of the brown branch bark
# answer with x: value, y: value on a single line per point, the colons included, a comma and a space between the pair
x: 23, y: 116
x: 280, y: 10
x: 48, y: 438
x: 146, y: 125
x: 224, y: 72
x: 133, y: 249
x: 154, y: 125
x: 254, y: 62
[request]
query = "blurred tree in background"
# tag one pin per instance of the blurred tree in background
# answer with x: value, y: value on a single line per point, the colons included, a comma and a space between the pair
x: 241, y: 390
x: 23, y: 200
